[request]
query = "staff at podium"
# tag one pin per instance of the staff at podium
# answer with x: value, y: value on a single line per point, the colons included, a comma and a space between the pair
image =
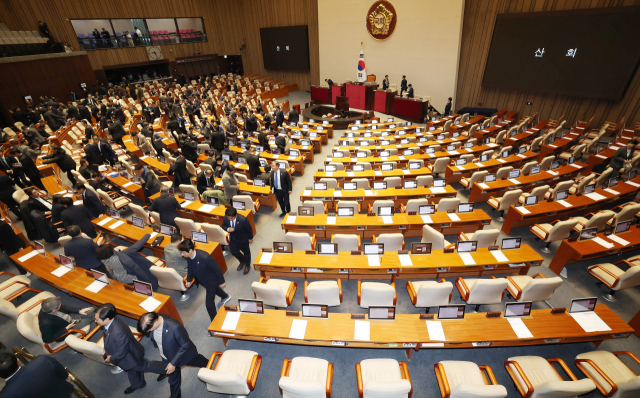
x: 385, y: 82
x: 410, y: 91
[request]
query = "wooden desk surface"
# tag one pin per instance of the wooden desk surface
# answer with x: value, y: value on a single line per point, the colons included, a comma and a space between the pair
x: 559, y: 145
x: 599, y: 158
x: 456, y: 173
x: 373, y: 175
x: 370, y: 195
x: 75, y: 282
x: 474, y: 150
x: 580, y: 205
x: 466, y: 125
x: 126, y: 184
x: 156, y: 164
x: 526, y: 136
x: 493, y: 130
x: 53, y: 186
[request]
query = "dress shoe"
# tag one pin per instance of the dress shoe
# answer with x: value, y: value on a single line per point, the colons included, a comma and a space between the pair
x: 282, y: 214
x: 246, y: 270
x: 162, y: 377
x: 240, y: 266
x: 131, y: 389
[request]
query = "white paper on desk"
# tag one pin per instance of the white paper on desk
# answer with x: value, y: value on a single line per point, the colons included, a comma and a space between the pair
x: 276, y: 156
x: 106, y: 220
x: 405, y: 260
x: 127, y: 184
x: 453, y: 152
x: 431, y: 155
x: 521, y: 156
x: 27, y: 256
x: 577, y: 166
x: 453, y: 217
x: 436, y: 332
x: 153, y: 235
x: 520, y: 329
x: 633, y: 184
x: 595, y: 196
x: 401, y: 157
x: 514, y: 181
x: 387, y: 219
x: 328, y: 159
x: 306, y: 192
x: 266, y: 258
x: 206, y: 208
x: 350, y: 173
x: 231, y: 321
x: 337, y: 193
x: 354, y: 159
x: 590, y: 321
x: 611, y: 191
x: 374, y: 260
x: 523, y: 210
x: 61, y: 270
x: 499, y: 256
x: 427, y: 219
x: 406, y: 171
x: 614, y: 147
x: 298, y: 329
x: 492, y: 145
x: 329, y: 173
x: 553, y: 146
x: 185, y: 203
x: 144, y: 157
x: 565, y: 203
x: 600, y: 156
x: 368, y: 192
x: 116, y: 224
x: 603, y: 242
x: 362, y: 331
x: 291, y: 157
x: 384, y: 158
x: 150, y: 304
x: 438, y: 190
x: 291, y: 219
x: 467, y: 259
x: 377, y: 172
x: 618, y: 239
x: 331, y: 220
x: 483, y: 185
x: 219, y: 184
x: 95, y: 286
x: 501, y: 160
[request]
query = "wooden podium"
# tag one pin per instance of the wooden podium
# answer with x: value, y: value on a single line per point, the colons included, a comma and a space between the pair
x: 342, y: 103
x: 383, y: 100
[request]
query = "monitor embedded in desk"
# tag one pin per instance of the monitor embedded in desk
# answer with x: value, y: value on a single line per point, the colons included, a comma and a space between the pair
x: 530, y: 200
x: 137, y: 222
x: 361, y: 154
x: 517, y: 309
x: 358, y: 167
x: 613, y: 181
x: 439, y: 183
x: 410, y: 184
x: 408, y: 152
x: 504, y: 154
x: 583, y: 304
x: 426, y: 209
x: 114, y: 214
x: 385, y: 143
x: 385, y: 154
x: 67, y: 262
x: 327, y: 248
x: 373, y: 249
x: 535, y: 170
x: 283, y: 247
x: 450, y: 312
x: 588, y: 233
x: 305, y: 210
x: 143, y: 288
x: 467, y: 246
x: 590, y: 188
x: 386, y: 167
x: 514, y: 174
x: 430, y: 150
x: 259, y: 149
x: 305, y: 142
x: 414, y: 165
x: 484, y: 158
x: 461, y: 161
x: 421, y: 248
x: 465, y: 208
x: 319, y: 186
x: 622, y: 227
x: 330, y: 168
x: 451, y: 147
x: 258, y: 182
x: 571, y: 160
x: 100, y: 276
x: 522, y: 150
x: 251, y: 306
x: 212, y: 200
x: 189, y: 196
x: 274, y: 151
x: 510, y: 243
x: 555, y: 164
x: 162, y: 159
x: 345, y: 211
x: 632, y: 174
x: 171, y: 191
x: 350, y: 186
x: 263, y: 162
x: 238, y: 205
x: 166, y: 229
x: 315, y: 311
x: 377, y: 185
x: 199, y: 236
x: 385, y: 210
x: 382, y: 313
x: 39, y: 247
x: 489, y: 178
x: 562, y: 195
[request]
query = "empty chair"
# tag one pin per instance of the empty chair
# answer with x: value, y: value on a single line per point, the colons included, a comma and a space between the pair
x: 430, y: 235
x: 380, y: 203
x: 425, y: 294
x: 274, y: 292
x: 439, y: 166
x: 350, y: 204
x: 530, y: 288
x: 481, y: 291
x: 561, y: 186
x: 242, y: 177
x: 301, y: 240
x: 28, y: 327
x: 413, y: 205
x: 138, y: 211
x: 591, y: 220
x: 537, y: 191
x: 477, y: 176
x: 306, y: 377
x: 575, y: 152
x: 424, y: 181
x: 393, y: 182
x: 393, y: 165
x: 339, y: 165
x: 535, y: 377
x: 414, y: 161
x: 319, y: 207
x: 503, y: 172
x: 332, y: 183
x: 346, y: 242
x: 365, y: 165
x: 626, y: 212
x: 361, y: 183
x: 187, y: 225
x: 447, y: 204
x: 168, y: 278
x: 526, y: 169
x: 549, y: 233
x: 462, y: 379
x: 116, y: 203
x: 610, y: 375
x: 392, y: 242
x: 249, y: 204
x: 383, y: 377
x: 484, y: 237
x: 323, y: 292
x: 616, y: 278
x: 507, y: 200
x: 376, y: 294
x: 546, y: 162
x: 535, y: 144
x: 190, y: 188
x: 234, y: 373
x: 578, y: 189
x: 16, y: 285
x: 11, y: 311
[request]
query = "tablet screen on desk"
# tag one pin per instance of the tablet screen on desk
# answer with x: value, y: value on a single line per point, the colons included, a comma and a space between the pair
x: 583, y: 304
x: 467, y: 246
x: 451, y: 312
x: 588, y: 233
x: 99, y: 276
x: 143, y: 288
x: 484, y: 158
x: 328, y: 248
x: 385, y: 167
x: 242, y: 160
x: 632, y: 174
x: 251, y: 306
x: 514, y: 174
x: 426, y: 209
x: 166, y: 229
x: 461, y: 162
x: 67, y: 262
x: 439, y: 183
x: 440, y: 137
x: 330, y: 168
x: 39, y: 247
x: 522, y: 149
x: 420, y: 248
x: 385, y: 154
x: 305, y: 142
x: 431, y: 150
x: 283, y: 247
x: 414, y: 165
x: 590, y: 188
x: 622, y: 227
x: 239, y: 205
x: 361, y: 154
x: 555, y: 164
x: 315, y: 311
x: 451, y: 147
x: 320, y: 186
x: 410, y: 184
x: 408, y: 152
x: 260, y: 148
x: 345, y: 211
x: 373, y: 249
x: 262, y: 162
x: 382, y: 313
x: 380, y: 184
x: 258, y: 182
x: 305, y: 210
x: 535, y: 170
x: 199, y: 236
x: 114, y: 214
x: 161, y: 159
x: 510, y: 243
x: 137, y: 222
x: 385, y: 210
x: 358, y: 167
x: 504, y: 154
x: 530, y: 200
x: 517, y: 309
x: 212, y: 200
x: 612, y: 182
x: 468, y: 145
x: 465, y: 208
x: 350, y: 186
x: 489, y: 178
x: 562, y: 195
x: 190, y: 196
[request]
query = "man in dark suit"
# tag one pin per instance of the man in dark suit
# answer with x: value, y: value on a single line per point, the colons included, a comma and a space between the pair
x: 91, y: 201
x: 117, y: 131
x: 240, y: 236
x: 6, y: 194
x: 156, y: 111
x: 12, y: 167
x: 107, y: 153
x: 122, y: 349
x: 329, y: 83
x: 84, y: 169
x: 44, y: 376
x: 403, y: 85
x: 281, y: 186
x: 385, y: 82
x: 203, y: 270
x: 28, y: 167
x: 72, y: 111
x: 77, y: 215
x: 447, y: 108
x: 190, y: 149
x: 294, y: 116
x: 173, y: 125
x: 83, y: 250
x: 97, y: 181
x: 37, y: 202
x: 217, y: 140
x: 56, y: 319
x: 54, y: 121
x: 175, y: 346
x: 621, y: 160
x: 167, y: 206
x: 279, y: 116
x: 179, y: 170
x: 410, y: 91
x: 263, y: 141
x: 205, y: 181
x: 128, y: 264
x: 253, y: 162
x: 88, y: 130
x: 85, y: 113
x: 251, y: 123
x: 93, y: 154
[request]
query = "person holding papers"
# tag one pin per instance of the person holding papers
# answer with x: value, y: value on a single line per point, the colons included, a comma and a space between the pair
x: 129, y: 264
x: 122, y: 349
x: 56, y: 319
x: 204, y: 270
x: 176, y: 349
x: 240, y: 236
x: 281, y: 187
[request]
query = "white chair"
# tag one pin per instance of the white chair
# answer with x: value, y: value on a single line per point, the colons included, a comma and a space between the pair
x: 392, y: 242
x: 168, y: 278
x: 380, y: 203
x: 439, y: 166
x: 476, y: 177
x: 28, y: 327
x: 529, y: 288
x: 507, y: 200
x: 430, y: 293
x: 361, y: 183
x: 301, y: 240
x: 393, y: 182
x: 189, y: 188
x: 383, y: 377
x: 603, y: 177
x: 248, y: 202
x: 116, y: 203
x: 15, y: 285
x: 306, y: 377
x: 597, y: 220
x: 610, y: 375
x: 413, y: 205
x: 484, y: 237
x: 526, y: 169
x: 537, y: 191
x: 215, y: 233
x: 332, y: 183
x: 615, y: 278
x: 503, y: 172
x: 376, y: 294
x: 561, y: 186
x: 425, y: 181
x: 545, y: 164
x: 234, y: 373
x: 274, y: 292
x: 350, y: 204
x: 154, y: 218
x: 323, y: 292
x: 462, y: 379
x: 447, y: 204
x: 481, y: 291
x: 549, y: 233
x: 625, y: 212
x: 535, y: 377
x: 430, y: 235
x: 346, y: 242
x: 8, y: 309
x: 578, y: 189
x: 140, y: 212
x: 187, y: 225
x: 319, y: 207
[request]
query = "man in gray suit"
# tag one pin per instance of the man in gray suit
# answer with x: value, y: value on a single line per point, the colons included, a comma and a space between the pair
x: 230, y: 183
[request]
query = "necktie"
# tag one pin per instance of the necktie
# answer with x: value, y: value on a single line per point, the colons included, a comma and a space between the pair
x: 277, y: 180
x: 4, y: 160
x: 233, y: 224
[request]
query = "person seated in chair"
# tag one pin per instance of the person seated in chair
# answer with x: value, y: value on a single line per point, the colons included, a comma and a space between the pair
x: 56, y: 319
x: 127, y: 265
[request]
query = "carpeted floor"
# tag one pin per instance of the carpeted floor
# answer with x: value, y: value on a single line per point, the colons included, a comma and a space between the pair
x: 105, y: 385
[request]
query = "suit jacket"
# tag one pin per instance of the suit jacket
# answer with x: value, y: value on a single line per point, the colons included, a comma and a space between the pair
x: 56, y: 212
x: 167, y: 206
x: 10, y: 242
x: 29, y: 167
x: 137, y: 264
x: 152, y: 184
x: 230, y: 185
x: 54, y: 121
x: 52, y: 327
x: 217, y: 140
x: 176, y: 345
x: 173, y: 125
x: 73, y: 113
x: 254, y: 165
x: 617, y: 161
x: 116, y: 130
x: 123, y: 347
x: 205, y: 270
x: 285, y: 181
x: 190, y: 151
x: 403, y: 84
x: 42, y: 377
x: 262, y: 140
x: 279, y: 117
x: 89, y: 131
x: 385, y: 84
x: 179, y: 170
x: 143, y: 144
x: 94, y: 156
x: 107, y: 153
x: 83, y: 251
x: 85, y: 113
x: 447, y: 108
x: 35, y: 204
x: 91, y: 201
x: 85, y: 172
x: 410, y: 93
x: 64, y: 161
x: 80, y: 216
x: 242, y: 232
x: 10, y: 160
x: 201, y: 182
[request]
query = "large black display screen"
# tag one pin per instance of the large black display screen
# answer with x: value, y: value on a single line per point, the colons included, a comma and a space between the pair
x: 587, y: 53
x: 285, y: 48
